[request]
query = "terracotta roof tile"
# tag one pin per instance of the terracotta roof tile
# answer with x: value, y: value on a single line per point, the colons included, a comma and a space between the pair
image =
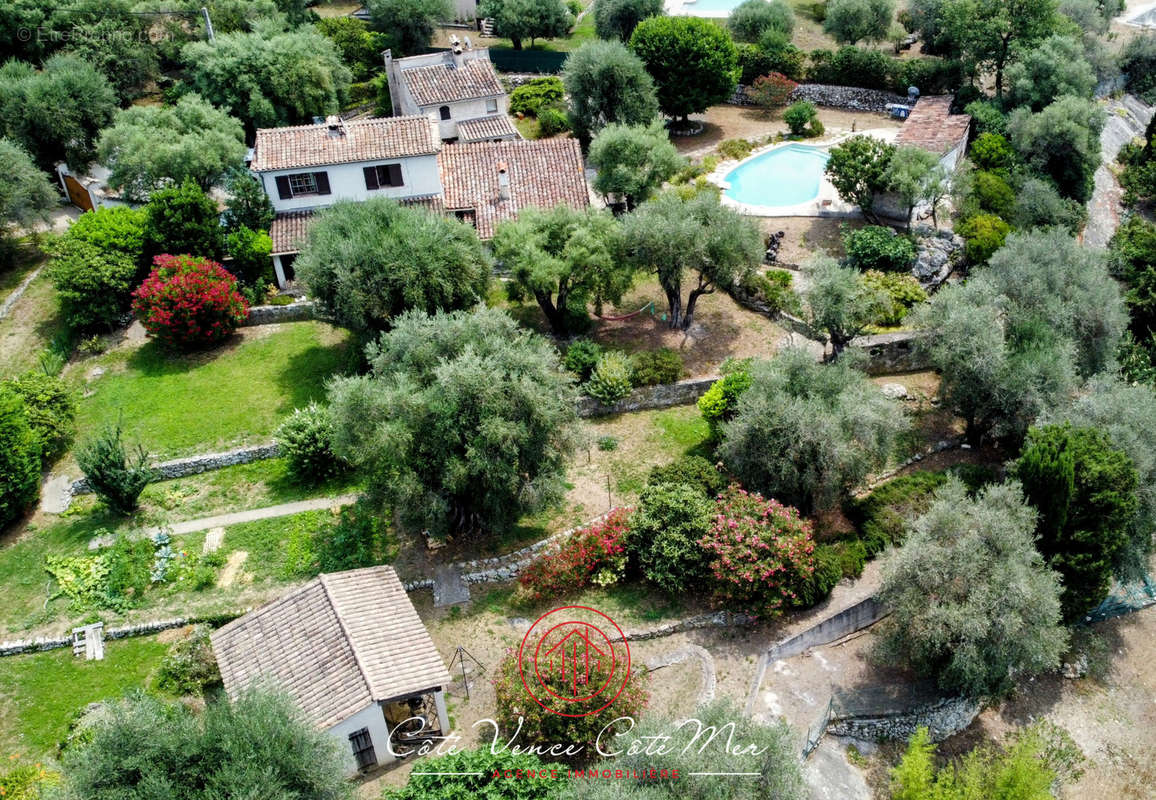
x: 498, y: 126
x: 445, y: 83
x: 543, y: 173
x: 288, y: 231
x: 289, y: 228
x: 932, y: 126
x: 338, y: 643
x: 364, y: 140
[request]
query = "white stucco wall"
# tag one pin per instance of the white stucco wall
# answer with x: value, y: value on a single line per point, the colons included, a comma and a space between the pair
x: 347, y: 182
x: 466, y: 109
x: 369, y: 717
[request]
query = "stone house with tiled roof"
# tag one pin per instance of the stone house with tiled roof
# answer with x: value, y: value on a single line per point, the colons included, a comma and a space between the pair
x: 309, y: 167
x: 352, y: 653
x: 454, y: 87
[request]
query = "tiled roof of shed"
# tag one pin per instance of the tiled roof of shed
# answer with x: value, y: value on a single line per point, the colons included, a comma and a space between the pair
x: 932, y: 126
x: 543, y: 173
x: 336, y: 644
x: 498, y: 126
x: 289, y: 228
x: 363, y: 140
x: 445, y: 83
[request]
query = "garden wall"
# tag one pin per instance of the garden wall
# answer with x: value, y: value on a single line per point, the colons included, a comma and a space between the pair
x: 293, y: 312
x: 193, y: 465
x: 849, y: 620
x: 125, y: 631
x: 661, y: 396
x: 943, y: 718
x: 851, y: 98
x: 890, y: 353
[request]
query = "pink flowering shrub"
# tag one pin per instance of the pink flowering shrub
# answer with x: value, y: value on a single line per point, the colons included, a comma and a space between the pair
x: 773, y: 89
x: 189, y: 302
x: 760, y: 552
x: 593, y: 555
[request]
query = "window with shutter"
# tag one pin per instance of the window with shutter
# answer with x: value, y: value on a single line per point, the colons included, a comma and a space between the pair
x: 371, y: 181
x: 283, y: 190
x: 362, y: 746
x: 322, y: 181
x: 445, y: 112
x: 394, y: 171
x: 302, y: 183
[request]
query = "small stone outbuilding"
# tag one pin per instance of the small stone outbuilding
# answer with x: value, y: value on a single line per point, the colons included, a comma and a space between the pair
x: 351, y: 651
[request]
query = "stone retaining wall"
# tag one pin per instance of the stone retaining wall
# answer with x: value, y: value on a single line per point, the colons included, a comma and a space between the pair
x: 124, y: 632
x: 194, y: 465
x: 854, y: 618
x: 943, y: 718
x: 851, y: 98
x: 719, y: 619
x: 661, y: 396
x: 293, y: 312
x: 889, y: 353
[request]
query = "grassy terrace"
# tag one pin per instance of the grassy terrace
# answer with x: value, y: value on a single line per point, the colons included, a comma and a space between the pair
x: 41, y: 692
x: 235, y: 394
x: 27, y: 585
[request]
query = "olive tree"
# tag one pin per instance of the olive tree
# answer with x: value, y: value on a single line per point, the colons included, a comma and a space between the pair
x: 607, y: 83
x: 26, y: 193
x: 752, y: 18
x: 998, y: 371
x: 915, y: 176
x: 838, y: 301
x: 954, y: 616
x: 850, y: 21
x: 565, y: 259
x: 632, y: 161
x: 1048, y: 275
x: 518, y: 20
x: 148, y: 147
x: 410, y: 24
x: 807, y: 433
x: 694, y: 239
x: 369, y: 262
x: 617, y: 19
x: 1052, y: 69
x: 257, y: 745
x: 1062, y: 141
x: 464, y: 423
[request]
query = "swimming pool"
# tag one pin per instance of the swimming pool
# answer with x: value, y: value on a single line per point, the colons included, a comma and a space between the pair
x: 786, y: 176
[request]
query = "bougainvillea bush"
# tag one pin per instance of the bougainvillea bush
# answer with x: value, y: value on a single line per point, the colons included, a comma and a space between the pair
x: 761, y: 553
x: 189, y: 302
x: 593, y: 555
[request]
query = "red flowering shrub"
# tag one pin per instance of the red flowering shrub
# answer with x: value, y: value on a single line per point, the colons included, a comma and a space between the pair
x: 772, y: 90
x: 761, y: 552
x: 188, y: 301
x: 592, y: 555
x: 517, y: 708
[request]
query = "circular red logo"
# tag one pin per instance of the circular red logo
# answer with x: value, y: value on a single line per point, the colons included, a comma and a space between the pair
x: 568, y: 663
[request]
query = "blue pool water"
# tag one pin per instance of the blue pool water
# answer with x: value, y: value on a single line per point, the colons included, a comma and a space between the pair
x: 784, y: 176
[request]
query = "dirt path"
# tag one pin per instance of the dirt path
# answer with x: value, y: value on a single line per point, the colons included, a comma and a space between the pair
x: 252, y: 515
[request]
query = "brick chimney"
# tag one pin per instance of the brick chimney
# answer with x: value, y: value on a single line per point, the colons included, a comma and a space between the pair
x: 503, y: 181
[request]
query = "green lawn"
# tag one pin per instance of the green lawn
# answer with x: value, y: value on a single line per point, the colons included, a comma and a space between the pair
x: 263, y: 483
x: 40, y: 692
x: 236, y: 394
x: 272, y: 544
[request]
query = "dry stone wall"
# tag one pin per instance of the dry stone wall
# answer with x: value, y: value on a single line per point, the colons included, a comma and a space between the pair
x: 943, y: 718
